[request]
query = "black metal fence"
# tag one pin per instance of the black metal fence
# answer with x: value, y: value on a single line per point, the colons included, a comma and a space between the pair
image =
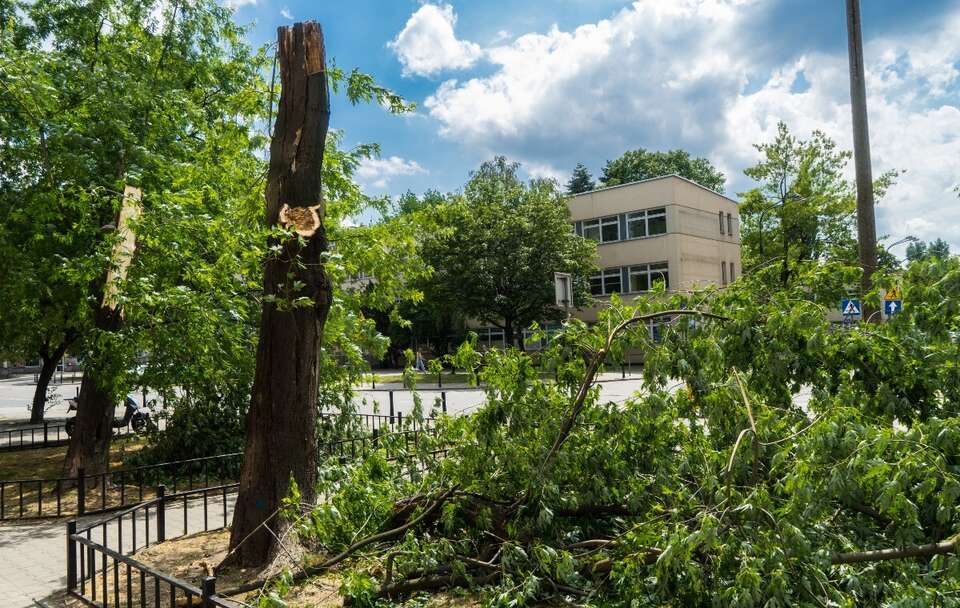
x: 46, y: 435
x: 88, y: 494
x: 101, y: 573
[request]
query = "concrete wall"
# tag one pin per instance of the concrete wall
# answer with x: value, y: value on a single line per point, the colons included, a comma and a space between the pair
x: 693, y: 246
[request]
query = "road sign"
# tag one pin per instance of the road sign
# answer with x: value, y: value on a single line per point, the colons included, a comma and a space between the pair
x: 850, y: 308
x: 893, y: 293
x: 892, y: 307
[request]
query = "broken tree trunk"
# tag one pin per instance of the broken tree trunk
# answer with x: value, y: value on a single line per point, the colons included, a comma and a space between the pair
x: 90, y: 443
x: 281, y: 422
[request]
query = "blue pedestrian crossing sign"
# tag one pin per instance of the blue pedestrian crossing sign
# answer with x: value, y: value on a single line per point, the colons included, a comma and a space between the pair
x: 892, y: 307
x: 850, y: 308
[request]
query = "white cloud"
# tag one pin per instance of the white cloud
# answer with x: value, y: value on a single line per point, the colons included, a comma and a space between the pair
x: 427, y: 44
x: 235, y: 4
x: 545, y: 171
x: 685, y: 73
x: 377, y: 172
x: 286, y: 14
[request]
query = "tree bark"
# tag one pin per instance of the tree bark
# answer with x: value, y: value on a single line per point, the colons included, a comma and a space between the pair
x: 90, y: 443
x: 281, y: 422
x: 866, y: 222
x: 43, y: 381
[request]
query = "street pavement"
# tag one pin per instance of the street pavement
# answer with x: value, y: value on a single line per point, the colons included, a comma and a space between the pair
x: 33, y: 555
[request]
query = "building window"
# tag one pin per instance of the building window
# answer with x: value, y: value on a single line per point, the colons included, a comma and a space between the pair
x: 723, y: 273
x: 490, y: 337
x: 732, y: 278
x: 610, y: 229
x: 721, y: 222
x: 591, y: 230
x: 605, y: 283
x: 729, y: 224
x: 646, y: 223
x: 656, y: 221
x: 643, y: 277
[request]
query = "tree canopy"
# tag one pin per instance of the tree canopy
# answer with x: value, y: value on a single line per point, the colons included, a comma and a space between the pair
x: 495, y: 248
x: 920, y: 250
x: 783, y: 474
x: 640, y: 164
x: 580, y: 181
x: 803, y: 208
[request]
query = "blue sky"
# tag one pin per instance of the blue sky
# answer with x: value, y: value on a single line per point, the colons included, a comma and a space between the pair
x: 550, y: 84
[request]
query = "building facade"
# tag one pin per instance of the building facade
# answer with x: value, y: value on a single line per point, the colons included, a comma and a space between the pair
x: 667, y: 229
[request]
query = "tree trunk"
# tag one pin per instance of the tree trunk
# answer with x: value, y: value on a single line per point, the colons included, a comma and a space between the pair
x: 43, y: 381
x: 866, y: 223
x: 508, y: 333
x: 281, y: 439
x: 90, y: 443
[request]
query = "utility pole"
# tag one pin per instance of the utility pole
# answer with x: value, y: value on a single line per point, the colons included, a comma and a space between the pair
x: 866, y: 221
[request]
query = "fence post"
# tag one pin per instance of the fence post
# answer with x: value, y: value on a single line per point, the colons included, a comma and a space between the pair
x: 45, y: 423
x: 376, y: 437
x: 400, y: 420
x: 71, y: 556
x: 443, y: 397
x: 161, y: 513
x: 391, y: 406
x: 208, y: 589
x: 81, y: 492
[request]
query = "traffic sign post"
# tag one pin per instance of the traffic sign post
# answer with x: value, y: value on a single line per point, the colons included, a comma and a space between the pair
x: 850, y: 308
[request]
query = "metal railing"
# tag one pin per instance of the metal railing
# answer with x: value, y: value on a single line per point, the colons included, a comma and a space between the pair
x: 88, y: 494
x: 101, y: 573
x: 46, y: 435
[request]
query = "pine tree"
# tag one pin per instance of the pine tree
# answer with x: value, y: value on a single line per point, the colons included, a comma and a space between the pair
x: 580, y: 181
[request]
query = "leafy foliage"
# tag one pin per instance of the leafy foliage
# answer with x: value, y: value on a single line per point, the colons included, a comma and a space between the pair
x: 495, y: 249
x: 920, y: 250
x: 803, y: 208
x: 641, y: 164
x: 773, y: 475
x: 580, y: 181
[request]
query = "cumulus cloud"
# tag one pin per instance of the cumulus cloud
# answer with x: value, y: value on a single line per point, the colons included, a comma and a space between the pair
x: 685, y: 73
x: 235, y: 4
x: 286, y: 14
x: 377, y: 172
x: 427, y: 43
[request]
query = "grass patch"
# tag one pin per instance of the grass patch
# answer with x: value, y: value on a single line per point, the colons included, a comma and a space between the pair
x: 50, y: 498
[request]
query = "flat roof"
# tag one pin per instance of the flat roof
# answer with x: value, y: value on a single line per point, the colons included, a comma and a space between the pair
x: 651, y: 179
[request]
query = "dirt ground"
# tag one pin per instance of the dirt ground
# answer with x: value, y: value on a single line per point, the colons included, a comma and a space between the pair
x: 40, y: 498
x: 191, y: 558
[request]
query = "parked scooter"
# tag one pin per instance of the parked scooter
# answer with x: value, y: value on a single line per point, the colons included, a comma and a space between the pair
x: 137, y: 417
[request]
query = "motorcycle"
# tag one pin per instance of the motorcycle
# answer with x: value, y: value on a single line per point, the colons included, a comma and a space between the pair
x: 138, y: 418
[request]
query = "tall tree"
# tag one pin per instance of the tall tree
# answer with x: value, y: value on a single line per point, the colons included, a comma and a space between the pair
x: 120, y: 92
x: 920, y: 250
x: 866, y: 222
x: 495, y: 249
x: 281, y: 422
x: 640, y: 164
x: 580, y: 181
x: 802, y: 209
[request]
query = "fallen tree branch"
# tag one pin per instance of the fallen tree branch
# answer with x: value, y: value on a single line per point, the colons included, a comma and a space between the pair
x: 594, y: 366
x: 942, y: 548
x: 333, y: 561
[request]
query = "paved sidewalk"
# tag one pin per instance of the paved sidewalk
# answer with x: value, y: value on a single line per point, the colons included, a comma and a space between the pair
x: 33, y: 555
